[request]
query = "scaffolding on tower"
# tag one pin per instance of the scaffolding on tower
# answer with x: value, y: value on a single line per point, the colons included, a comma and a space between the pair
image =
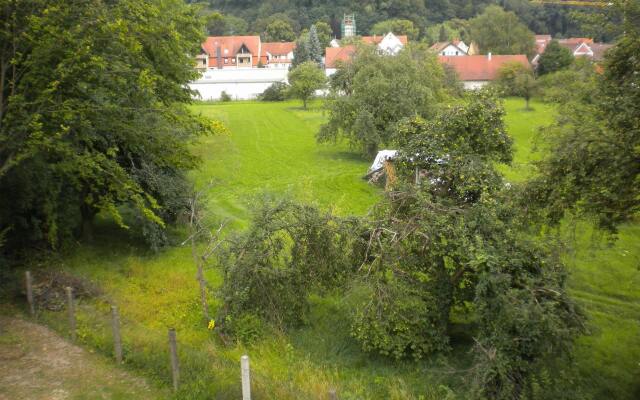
x: 349, y: 25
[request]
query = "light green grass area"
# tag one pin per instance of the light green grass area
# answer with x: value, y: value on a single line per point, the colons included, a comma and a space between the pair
x: 272, y: 148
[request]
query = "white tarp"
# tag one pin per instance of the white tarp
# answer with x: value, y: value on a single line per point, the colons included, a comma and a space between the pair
x: 381, y: 157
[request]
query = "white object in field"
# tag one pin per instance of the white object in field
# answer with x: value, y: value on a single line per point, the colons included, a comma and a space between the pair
x: 381, y: 157
x: 246, y: 380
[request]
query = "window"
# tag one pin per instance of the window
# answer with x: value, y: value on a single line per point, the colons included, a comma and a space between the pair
x: 226, y: 60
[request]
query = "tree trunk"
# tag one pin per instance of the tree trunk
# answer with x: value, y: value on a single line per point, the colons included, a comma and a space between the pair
x: 87, y: 223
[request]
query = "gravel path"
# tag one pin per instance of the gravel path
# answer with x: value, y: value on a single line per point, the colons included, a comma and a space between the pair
x: 36, y: 363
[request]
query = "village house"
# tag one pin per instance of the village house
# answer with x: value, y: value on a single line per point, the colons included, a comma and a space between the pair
x: 477, y: 71
x: 579, y: 47
x: 279, y: 55
x: 452, y: 48
x: 388, y: 44
x: 220, y: 52
x: 240, y: 66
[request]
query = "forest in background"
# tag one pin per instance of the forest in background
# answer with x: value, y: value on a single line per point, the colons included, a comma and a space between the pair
x: 253, y: 16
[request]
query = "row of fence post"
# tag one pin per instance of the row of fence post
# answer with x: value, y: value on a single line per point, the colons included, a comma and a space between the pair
x: 117, y: 341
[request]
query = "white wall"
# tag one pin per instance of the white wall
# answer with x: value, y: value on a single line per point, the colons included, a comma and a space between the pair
x: 474, y: 85
x: 240, y: 84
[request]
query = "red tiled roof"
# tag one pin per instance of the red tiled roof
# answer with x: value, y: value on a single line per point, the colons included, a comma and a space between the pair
x: 230, y: 46
x: 335, y: 54
x: 599, y: 49
x: 480, y: 67
x: 278, y: 48
x: 378, y: 38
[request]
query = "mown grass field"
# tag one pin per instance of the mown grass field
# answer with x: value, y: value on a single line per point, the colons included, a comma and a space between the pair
x: 272, y: 148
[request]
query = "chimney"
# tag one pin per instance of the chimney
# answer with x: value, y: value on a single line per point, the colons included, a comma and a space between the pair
x: 489, y: 56
x: 219, y: 57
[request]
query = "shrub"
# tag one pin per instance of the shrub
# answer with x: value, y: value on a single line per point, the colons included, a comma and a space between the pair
x: 289, y: 250
x: 276, y: 92
x: 224, y: 96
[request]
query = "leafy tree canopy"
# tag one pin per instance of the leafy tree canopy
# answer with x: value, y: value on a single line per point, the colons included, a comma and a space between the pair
x: 593, y: 165
x: 305, y: 80
x: 371, y: 94
x: 501, y: 32
x: 398, y: 27
x: 279, y: 31
x: 93, y: 115
x: 554, y: 58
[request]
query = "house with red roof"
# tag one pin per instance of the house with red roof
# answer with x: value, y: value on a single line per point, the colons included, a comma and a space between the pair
x: 220, y: 52
x: 579, y: 47
x: 279, y: 54
x: 452, y: 48
x: 388, y: 44
x: 478, y: 70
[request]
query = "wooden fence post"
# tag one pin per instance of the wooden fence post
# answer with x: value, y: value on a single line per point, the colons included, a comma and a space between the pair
x: 246, y: 379
x: 115, y: 325
x: 29, y: 283
x: 203, y: 293
x: 72, y: 312
x: 332, y: 394
x: 173, y: 351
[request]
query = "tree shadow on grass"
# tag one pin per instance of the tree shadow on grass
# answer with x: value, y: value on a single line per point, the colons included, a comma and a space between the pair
x: 348, y: 156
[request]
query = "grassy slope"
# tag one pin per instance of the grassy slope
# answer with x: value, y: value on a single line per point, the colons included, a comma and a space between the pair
x: 272, y: 148
x: 605, y: 278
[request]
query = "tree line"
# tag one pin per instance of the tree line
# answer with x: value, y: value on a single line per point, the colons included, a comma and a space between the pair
x: 426, y: 18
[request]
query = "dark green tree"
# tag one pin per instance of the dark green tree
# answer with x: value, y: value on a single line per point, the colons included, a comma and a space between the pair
x: 304, y: 80
x: 315, y: 48
x: 325, y: 34
x: 93, y: 116
x: 554, y: 58
x: 371, y: 94
x: 279, y: 31
x: 501, y: 32
x: 397, y: 27
x: 448, y: 240
x: 592, y: 167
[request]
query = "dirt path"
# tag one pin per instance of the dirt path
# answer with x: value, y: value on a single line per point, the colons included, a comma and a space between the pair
x: 36, y: 363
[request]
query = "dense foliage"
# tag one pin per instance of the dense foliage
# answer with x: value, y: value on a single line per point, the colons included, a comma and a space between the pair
x: 593, y: 166
x: 553, y: 19
x: 93, y: 116
x: 501, y: 32
x: 304, y: 80
x: 371, y: 94
x: 288, y: 250
x: 554, y: 58
x: 515, y: 79
x: 450, y: 245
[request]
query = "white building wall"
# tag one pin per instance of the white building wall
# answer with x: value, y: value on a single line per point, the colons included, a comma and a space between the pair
x: 240, y: 84
x: 474, y: 85
x: 451, y: 50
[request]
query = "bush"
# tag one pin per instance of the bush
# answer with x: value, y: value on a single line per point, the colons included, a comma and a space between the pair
x: 224, y: 96
x: 398, y: 320
x: 289, y: 250
x: 248, y: 328
x: 276, y: 92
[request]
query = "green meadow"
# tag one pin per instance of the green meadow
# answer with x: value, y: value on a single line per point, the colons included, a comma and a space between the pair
x: 271, y: 148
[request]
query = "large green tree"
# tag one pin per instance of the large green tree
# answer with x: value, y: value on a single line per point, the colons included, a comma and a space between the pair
x: 279, y: 31
x: 93, y: 115
x: 501, y: 32
x: 446, y: 241
x: 554, y: 58
x: 398, y: 27
x: 372, y: 93
x: 304, y: 80
x: 593, y: 166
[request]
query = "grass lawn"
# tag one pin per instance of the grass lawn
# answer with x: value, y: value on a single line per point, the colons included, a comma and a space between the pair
x: 272, y: 148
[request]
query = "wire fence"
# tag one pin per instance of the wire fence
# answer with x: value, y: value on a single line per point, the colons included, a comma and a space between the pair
x: 193, y: 370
